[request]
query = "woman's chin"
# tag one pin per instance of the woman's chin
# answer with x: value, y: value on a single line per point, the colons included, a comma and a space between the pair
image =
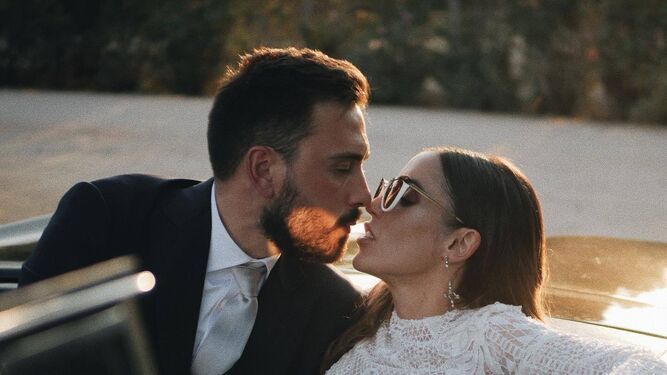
x: 369, y: 257
x: 358, y: 262
x: 363, y: 263
x: 364, y: 242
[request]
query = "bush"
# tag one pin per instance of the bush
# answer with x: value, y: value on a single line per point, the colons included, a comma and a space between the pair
x: 602, y: 59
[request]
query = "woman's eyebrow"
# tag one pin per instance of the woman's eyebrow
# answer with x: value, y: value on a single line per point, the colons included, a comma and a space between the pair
x: 412, y: 181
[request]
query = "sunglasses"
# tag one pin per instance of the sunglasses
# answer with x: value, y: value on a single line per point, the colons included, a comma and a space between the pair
x: 393, y: 190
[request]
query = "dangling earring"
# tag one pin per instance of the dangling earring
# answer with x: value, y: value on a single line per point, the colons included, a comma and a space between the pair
x: 451, y: 295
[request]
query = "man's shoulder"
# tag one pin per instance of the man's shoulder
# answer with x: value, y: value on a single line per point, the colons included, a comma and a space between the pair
x: 140, y: 183
x: 329, y: 281
x: 129, y: 198
x: 134, y: 189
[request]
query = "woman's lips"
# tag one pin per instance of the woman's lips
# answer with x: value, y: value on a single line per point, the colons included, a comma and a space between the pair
x: 369, y: 233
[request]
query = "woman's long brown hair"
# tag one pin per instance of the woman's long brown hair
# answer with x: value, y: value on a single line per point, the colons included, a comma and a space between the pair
x: 489, y: 194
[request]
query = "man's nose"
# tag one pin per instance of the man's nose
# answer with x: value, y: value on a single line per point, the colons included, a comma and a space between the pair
x: 360, y: 196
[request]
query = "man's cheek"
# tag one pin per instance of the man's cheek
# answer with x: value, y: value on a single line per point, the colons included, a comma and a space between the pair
x: 316, y: 229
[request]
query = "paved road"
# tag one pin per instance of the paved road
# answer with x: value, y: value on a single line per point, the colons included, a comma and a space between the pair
x: 592, y: 178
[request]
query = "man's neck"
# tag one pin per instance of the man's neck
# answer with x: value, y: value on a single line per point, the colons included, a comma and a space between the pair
x: 240, y: 216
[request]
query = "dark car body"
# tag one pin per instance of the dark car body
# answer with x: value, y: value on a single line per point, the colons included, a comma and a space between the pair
x: 607, y: 288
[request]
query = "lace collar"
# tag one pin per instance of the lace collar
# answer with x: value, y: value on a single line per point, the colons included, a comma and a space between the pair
x: 434, y: 327
x: 424, y: 329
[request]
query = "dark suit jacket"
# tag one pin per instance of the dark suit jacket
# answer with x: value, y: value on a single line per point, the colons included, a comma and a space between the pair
x: 303, y: 306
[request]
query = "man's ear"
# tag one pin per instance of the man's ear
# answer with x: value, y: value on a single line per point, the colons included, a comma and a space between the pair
x: 265, y: 169
x: 462, y: 244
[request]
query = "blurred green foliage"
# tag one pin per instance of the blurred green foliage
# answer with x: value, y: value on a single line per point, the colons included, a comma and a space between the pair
x: 600, y: 59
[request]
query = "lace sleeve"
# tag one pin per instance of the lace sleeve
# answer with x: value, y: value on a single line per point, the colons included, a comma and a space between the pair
x: 522, y: 345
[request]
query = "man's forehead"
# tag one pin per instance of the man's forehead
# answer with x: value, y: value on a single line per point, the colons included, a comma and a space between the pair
x: 351, y: 155
x: 335, y: 111
x: 354, y: 146
x: 339, y: 132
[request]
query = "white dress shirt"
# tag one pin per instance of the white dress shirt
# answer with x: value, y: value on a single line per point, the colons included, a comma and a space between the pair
x: 219, y: 284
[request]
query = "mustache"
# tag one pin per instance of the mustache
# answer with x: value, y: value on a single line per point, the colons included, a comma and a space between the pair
x: 349, y: 218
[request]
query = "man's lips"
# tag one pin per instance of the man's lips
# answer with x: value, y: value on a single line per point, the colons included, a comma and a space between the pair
x: 349, y: 219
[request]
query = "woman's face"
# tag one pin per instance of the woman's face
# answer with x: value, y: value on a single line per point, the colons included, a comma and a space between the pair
x: 408, y: 241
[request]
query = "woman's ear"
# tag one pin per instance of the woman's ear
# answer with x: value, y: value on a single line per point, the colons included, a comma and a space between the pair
x: 265, y: 169
x: 462, y: 244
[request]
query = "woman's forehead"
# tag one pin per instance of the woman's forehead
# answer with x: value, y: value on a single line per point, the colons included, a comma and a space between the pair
x: 425, y: 168
x: 421, y: 165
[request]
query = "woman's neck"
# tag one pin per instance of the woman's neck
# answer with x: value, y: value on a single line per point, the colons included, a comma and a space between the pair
x: 419, y: 299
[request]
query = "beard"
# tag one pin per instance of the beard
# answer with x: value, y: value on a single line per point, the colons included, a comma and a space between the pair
x: 309, y: 233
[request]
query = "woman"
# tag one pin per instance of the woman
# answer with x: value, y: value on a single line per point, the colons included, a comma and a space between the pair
x: 459, y: 244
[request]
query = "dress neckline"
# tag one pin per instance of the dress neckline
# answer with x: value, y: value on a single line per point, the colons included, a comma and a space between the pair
x: 449, y: 315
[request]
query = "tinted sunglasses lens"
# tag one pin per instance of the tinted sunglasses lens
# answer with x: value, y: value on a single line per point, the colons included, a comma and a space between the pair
x: 391, y: 194
x: 383, y: 182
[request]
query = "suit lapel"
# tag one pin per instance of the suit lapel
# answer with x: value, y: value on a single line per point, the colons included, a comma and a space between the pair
x: 178, y: 255
x: 284, y: 307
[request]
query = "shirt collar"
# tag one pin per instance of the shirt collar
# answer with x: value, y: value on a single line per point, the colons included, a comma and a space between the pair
x: 224, y: 252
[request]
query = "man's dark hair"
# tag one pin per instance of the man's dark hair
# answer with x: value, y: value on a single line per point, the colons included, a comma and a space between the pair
x: 268, y: 100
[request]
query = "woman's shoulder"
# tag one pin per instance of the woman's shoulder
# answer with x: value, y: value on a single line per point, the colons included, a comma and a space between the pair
x: 501, y: 313
x: 498, y: 308
x: 529, y: 343
x: 507, y: 327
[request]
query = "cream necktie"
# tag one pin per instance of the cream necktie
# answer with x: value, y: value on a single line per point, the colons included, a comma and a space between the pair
x: 228, y: 336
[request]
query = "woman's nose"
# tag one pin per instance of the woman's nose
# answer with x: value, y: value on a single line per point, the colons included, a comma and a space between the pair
x: 373, y: 207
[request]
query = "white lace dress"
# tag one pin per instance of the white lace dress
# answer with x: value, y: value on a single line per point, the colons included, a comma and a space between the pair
x: 495, y: 339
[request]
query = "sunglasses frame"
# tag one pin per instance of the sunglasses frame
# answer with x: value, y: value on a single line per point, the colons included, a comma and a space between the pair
x: 407, y: 184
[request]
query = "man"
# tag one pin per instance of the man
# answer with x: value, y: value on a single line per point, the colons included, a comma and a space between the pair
x: 286, y: 139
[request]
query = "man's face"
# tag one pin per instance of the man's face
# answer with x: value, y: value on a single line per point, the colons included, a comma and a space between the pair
x: 325, y: 186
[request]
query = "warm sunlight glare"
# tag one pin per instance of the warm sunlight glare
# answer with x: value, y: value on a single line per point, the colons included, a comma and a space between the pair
x: 649, y: 319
